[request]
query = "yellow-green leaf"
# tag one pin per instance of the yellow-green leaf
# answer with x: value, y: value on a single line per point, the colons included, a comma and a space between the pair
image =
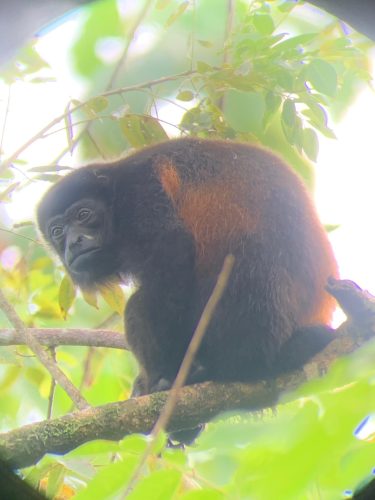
x: 176, y: 14
x: 67, y: 293
x: 185, y: 95
x: 91, y: 298
x: 114, y: 297
x: 310, y: 143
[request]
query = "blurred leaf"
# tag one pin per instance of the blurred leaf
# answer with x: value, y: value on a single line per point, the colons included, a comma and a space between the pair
x: 109, y: 480
x: 67, y: 293
x: 293, y: 42
x: 273, y: 103
x: 263, y: 23
x: 203, y: 67
x: 91, y: 298
x: 48, y: 177
x: 185, y: 95
x: 322, y: 76
x: 55, y: 480
x: 177, y: 13
x: 288, y: 114
x: 205, y: 43
x: 49, y: 168
x: 162, y: 4
x: 142, y: 130
x: 114, y: 297
x: 5, y: 196
x: 244, y: 111
x: 310, y: 143
x: 98, y: 104
x: 159, y: 485
x: 103, y: 20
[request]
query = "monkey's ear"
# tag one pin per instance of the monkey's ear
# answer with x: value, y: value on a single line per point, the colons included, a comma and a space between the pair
x: 169, y: 177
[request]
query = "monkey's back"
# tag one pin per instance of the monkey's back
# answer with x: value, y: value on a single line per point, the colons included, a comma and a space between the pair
x: 241, y: 199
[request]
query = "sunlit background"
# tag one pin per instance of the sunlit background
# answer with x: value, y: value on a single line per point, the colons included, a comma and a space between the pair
x: 345, y: 172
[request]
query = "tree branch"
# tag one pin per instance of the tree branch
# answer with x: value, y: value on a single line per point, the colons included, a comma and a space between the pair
x: 195, y: 404
x: 55, y: 337
x: 39, y: 135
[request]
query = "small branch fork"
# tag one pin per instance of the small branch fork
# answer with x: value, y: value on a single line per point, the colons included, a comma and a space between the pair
x: 44, y: 356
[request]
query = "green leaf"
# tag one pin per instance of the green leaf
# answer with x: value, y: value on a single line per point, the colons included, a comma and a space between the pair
x: 273, y: 102
x: 55, y: 480
x: 48, y: 177
x: 185, y: 95
x: 310, y: 143
x: 316, y: 112
x: 318, y: 118
x: 263, y: 23
x: 291, y: 124
x: 97, y: 104
x: 203, y: 67
x: 322, y: 76
x: 244, y: 111
x: 293, y: 42
x: 159, y: 485
x: 50, y: 168
x: 288, y: 114
x: 109, y: 480
x: 67, y: 293
x: 142, y: 130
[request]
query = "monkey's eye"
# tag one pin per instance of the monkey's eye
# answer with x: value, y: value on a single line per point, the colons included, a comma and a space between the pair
x: 57, y: 231
x: 83, y: 214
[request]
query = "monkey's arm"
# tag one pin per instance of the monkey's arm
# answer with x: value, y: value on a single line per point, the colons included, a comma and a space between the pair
x: 159, y: 320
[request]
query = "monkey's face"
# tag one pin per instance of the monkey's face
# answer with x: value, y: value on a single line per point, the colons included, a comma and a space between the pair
x: 82, y: 237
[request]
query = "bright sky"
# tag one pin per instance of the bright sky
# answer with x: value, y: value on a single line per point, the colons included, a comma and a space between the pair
x: 345, y: 191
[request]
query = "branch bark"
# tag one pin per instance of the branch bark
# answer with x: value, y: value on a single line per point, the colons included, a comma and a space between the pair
x: 52, y: 337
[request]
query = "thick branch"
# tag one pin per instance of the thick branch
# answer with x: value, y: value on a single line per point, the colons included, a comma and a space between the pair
x: 66, y: 336
x: 195, y: 404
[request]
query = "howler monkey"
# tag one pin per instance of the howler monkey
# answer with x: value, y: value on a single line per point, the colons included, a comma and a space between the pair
x: 167, y: 216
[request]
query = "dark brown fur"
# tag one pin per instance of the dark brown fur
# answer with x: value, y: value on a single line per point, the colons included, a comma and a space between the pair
x: 172, y: 213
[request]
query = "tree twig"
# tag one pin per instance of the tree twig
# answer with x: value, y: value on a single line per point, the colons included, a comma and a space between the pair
x: 108, y: 93
x: 44, y: 356
x: 186, y: 364
x: 130, y: 36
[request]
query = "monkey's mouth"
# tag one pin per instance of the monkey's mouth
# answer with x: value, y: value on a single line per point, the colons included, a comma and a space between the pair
x: 81, y: 261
